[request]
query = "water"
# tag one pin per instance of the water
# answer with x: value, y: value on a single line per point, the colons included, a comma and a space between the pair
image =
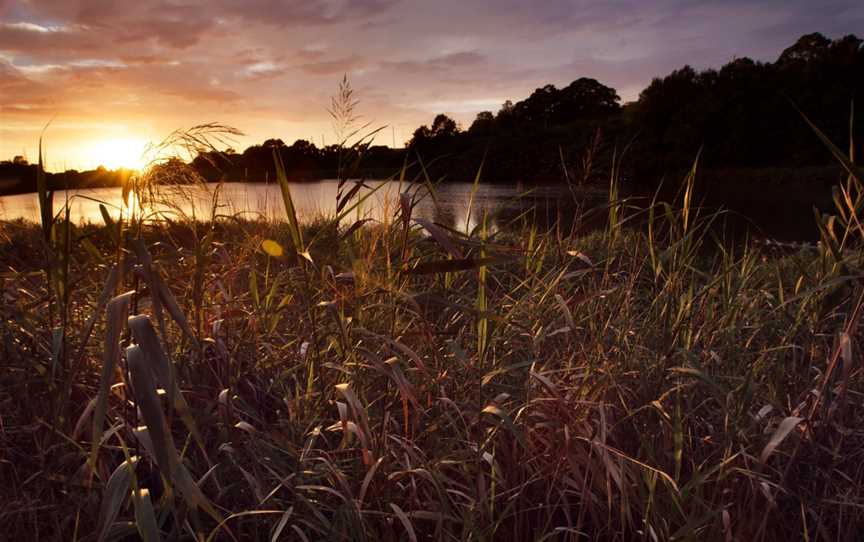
x: 501, y: 202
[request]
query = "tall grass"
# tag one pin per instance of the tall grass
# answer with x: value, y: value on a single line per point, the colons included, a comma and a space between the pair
x: 408, y: 381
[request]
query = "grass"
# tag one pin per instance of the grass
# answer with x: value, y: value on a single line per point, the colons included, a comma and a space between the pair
x: 232, y: 379
x: 624, y: 385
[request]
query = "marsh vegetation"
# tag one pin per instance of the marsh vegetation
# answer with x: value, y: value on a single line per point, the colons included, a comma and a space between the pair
x: 637, y: 373
x: 402, y: 379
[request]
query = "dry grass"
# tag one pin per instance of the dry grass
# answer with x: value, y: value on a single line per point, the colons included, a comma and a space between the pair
x: 233, y: 379
x: 411, y: 382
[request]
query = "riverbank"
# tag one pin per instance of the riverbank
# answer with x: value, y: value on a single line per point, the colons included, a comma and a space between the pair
x: 425, y: 383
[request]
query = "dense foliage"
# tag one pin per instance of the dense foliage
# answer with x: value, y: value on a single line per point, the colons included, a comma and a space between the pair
x: 744, y: 114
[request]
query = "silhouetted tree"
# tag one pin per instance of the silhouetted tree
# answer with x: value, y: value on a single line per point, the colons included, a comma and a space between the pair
x: 809, y: 48
x: 538, y: 108
x: 273, y: 144
x: 483, y: 125
x: 585, y: 98
x: 744, y: 114
x: 444, y: 126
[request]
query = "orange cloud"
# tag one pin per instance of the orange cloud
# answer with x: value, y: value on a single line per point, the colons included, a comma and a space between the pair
x: 139, y: 69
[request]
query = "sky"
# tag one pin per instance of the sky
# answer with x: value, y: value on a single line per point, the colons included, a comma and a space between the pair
x: 112, y: 75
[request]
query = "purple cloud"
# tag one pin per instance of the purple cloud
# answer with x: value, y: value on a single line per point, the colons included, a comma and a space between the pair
x: 269, y: 66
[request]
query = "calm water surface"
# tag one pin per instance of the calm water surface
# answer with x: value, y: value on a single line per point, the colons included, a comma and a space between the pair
x: 312, y: 199
x: 502, y: 203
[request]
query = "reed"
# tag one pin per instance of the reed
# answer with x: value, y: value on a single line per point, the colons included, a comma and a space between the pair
x: 408, y: 381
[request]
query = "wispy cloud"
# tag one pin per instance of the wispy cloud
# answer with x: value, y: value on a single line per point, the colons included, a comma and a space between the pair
x: 269, y: 66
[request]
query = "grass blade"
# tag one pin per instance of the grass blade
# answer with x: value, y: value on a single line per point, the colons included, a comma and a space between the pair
x: 163, y: 369
x: 145, y: 517
x: 114, y: 495
x: 779, y: 435
x: 115, y: 318
x: 144, y: 386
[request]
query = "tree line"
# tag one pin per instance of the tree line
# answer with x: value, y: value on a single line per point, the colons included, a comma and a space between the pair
x: 747, y: 114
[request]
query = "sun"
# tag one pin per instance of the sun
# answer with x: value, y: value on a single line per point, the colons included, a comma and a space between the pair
x: 120, y: 152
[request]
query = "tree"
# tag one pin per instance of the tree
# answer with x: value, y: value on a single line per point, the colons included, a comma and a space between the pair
x: 483, y: 125
x: 444, y: 126
x: 539, y: 107
x: 585, y: 98
x: 273, y: 144
x: 444, y: 129
x: 304, y: 148
x: 808, y: 48
x: 505, y: 120
x: 420, y: 136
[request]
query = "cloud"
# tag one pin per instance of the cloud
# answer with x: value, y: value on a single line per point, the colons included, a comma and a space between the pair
x: 105, y: 23
x: 16, y: 87
x: 464, y: 59
x: 270, y: 66
x: 305, y: 12
x: 174, y: 32
x: 333, y: 67
x: 66, y: 41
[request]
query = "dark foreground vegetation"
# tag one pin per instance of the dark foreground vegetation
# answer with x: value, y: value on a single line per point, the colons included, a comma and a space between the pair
x: 743, y: 118
x: 181, y: 380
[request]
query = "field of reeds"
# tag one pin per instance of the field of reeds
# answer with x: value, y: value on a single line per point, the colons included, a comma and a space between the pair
x: 172, y: 379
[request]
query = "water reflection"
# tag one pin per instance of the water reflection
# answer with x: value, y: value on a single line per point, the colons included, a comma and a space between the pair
x: 449, y: 206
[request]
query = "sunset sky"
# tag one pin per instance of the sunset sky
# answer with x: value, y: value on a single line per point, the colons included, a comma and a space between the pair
x: 116, y: 74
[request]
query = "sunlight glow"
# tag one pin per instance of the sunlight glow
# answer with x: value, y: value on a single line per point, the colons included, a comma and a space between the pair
x: 122, y: 152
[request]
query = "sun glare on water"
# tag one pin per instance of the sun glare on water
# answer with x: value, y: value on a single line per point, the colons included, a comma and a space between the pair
x: 118, y: 153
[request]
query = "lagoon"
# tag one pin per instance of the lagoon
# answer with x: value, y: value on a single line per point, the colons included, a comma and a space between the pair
x: 452, y: 204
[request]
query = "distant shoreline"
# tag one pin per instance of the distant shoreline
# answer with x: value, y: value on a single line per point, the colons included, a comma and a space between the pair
x: 735, y: 182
